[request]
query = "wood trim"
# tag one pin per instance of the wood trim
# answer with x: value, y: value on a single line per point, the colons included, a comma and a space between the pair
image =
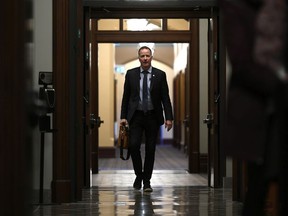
x: 155, y: 36
x: 97, y: 13
x: 191, y: 36
x: 176, y: 104
x: 94, y: 104
x: 107, y: 152
x: 194, y: 102
x: 86, y: 111
x: 223, y: 103
x: 61, y: 182
x: 215, y: 178
x: 61, y: 190
x: 203, y: 163
x: 68, y: 148
x: 15, y: 132
x: 79, y: 101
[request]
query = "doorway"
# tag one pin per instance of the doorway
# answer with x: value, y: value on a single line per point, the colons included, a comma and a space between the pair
x: 113, y: 61
x: 189, y: 126
x: 67, y: 62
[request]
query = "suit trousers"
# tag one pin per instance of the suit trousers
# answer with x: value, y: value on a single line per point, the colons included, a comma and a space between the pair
x: 143, y: 124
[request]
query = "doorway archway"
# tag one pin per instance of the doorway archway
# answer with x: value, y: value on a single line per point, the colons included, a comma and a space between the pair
x: 99, y: 35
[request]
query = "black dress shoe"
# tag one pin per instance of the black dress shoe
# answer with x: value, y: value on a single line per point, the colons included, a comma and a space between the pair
x: 137, y: 184
x: 147, y: 188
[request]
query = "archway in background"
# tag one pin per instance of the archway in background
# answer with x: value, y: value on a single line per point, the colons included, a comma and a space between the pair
x: 126, y: 58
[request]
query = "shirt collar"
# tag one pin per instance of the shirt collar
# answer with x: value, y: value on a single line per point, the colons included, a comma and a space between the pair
x: 149, y: 70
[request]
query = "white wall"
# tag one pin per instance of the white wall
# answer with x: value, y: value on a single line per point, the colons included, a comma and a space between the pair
x: 42, y: 62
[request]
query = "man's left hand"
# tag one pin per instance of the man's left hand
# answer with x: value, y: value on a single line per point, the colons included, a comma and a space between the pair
x: 168, y: 124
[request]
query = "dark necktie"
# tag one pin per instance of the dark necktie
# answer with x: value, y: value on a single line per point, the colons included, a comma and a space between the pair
x: 145, y: 92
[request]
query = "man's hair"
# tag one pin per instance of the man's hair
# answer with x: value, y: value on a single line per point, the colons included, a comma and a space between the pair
x: 144, y: 47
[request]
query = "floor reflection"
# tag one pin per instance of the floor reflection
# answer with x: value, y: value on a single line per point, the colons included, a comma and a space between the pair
x: 181, y: 200
x: 175, y: 192
x: 143, y: 204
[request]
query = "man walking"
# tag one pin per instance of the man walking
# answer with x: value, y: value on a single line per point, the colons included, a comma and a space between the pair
x: 145, y: 95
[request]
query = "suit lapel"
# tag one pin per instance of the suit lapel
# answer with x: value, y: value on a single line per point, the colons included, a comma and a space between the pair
x: 137, y: 77
x: 153, y: 76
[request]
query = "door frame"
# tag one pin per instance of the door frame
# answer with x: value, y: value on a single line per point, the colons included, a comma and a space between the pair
x: 64, y: 182
x: 177, y: 36
x: 212, y: 119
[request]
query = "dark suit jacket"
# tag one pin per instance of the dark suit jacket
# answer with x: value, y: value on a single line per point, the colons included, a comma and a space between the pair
x: 251, y: 86
x: 159, y: 94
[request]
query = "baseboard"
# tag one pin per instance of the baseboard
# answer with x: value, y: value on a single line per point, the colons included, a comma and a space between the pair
x: 203, y: 163
x: 107, y: 152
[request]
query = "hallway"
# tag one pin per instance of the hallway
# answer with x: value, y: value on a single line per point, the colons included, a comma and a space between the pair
x: 176, y: 192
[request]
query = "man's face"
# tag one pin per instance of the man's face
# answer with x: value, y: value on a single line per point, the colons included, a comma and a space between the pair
x: 145, y: 58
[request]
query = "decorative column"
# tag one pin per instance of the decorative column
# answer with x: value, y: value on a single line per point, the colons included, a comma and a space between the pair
x: 61, y: 183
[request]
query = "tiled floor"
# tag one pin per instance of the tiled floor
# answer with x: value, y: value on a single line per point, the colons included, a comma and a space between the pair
x: 166, y: 158
x: 176, y: 192
x: 166, y: 178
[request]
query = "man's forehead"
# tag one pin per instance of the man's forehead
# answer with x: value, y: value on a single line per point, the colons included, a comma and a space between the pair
x: 145, y: 51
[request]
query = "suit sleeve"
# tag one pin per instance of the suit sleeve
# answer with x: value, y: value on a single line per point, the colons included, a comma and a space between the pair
x: 125, y: 97
x: 165, y: 98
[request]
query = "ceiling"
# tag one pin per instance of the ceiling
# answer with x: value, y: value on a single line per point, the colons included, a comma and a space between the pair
x: 134, y: 4
x: 126, y: 52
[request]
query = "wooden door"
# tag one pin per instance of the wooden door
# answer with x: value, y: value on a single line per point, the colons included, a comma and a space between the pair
x: 89, y: 101
x: 192, y: 100
x: 93, y: 121
x: 177, y: 112
x: 86, y: 138
x: 212, y: 119
x: 94, y: 112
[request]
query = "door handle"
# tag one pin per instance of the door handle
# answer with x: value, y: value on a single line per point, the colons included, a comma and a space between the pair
x: 209, y: 120
x: 95, y: 121
x: 86, y: 100
x: 186, y: 121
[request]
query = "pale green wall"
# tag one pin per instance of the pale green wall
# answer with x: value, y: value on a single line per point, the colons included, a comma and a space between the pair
x: 42, y: 50
x: 203, y: 85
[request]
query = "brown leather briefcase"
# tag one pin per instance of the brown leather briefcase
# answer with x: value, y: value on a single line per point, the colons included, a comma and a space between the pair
x: 123, y: 141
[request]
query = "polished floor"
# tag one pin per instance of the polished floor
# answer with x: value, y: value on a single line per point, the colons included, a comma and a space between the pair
x: 176, y: 192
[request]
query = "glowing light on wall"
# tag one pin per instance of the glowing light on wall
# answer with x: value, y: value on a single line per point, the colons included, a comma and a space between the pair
x: 141, y: 25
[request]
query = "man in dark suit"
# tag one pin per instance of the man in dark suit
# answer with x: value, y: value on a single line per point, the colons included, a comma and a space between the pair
x: 145, y: 95
x: 255, y: 35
